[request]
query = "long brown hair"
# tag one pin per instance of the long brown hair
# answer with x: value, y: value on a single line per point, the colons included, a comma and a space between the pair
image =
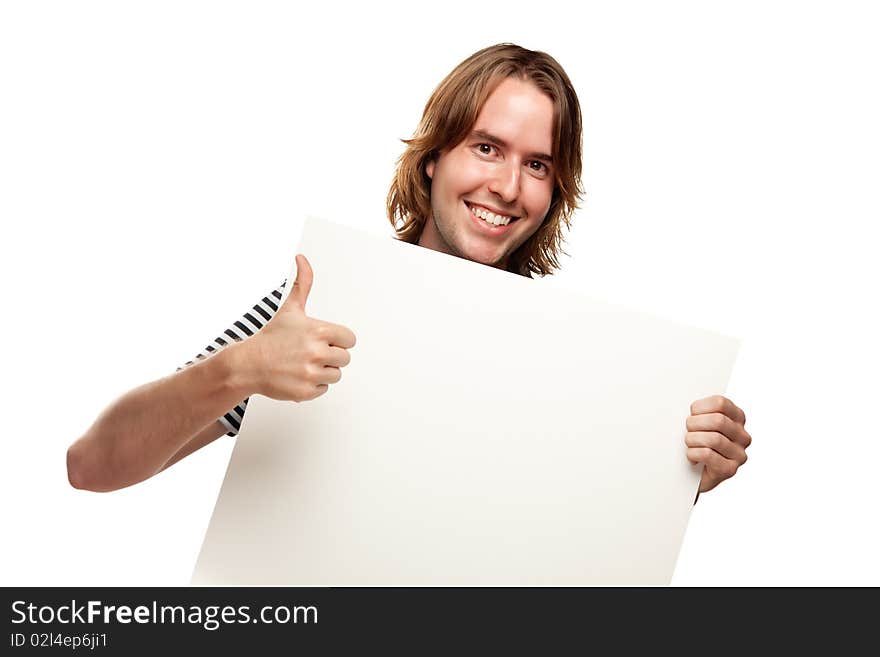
x: 448, y: 118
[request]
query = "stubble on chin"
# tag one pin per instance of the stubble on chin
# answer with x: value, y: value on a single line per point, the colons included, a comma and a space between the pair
x: 447, y: 243
x: 446, y: 238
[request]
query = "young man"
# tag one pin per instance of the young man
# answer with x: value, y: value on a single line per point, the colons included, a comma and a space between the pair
x: 492, y: 175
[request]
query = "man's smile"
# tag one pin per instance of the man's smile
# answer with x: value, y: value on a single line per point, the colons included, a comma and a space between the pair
x: 489, y: 215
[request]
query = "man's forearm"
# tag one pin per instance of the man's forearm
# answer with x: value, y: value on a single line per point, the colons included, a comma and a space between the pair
x: 138, y: 433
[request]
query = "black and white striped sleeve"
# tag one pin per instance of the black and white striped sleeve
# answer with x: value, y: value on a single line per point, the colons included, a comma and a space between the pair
x: 249, y: 323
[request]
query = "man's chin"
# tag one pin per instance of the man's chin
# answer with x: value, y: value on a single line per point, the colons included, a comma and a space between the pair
x: 477, y: 252
x: 490, y: 260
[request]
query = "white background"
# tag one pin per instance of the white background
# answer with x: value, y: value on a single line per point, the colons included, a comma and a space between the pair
x: 156, y: 161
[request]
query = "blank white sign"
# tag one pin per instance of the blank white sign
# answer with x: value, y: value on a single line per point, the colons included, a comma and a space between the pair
x: 489, y: 430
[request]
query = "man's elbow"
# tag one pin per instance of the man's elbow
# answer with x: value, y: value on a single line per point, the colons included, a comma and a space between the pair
x: 83, y: 473
x: 77, y: 475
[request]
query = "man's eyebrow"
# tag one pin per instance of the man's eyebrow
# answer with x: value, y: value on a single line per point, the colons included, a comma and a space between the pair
x: 492, y: 139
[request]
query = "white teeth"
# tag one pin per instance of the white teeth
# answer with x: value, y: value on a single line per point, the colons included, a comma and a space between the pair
x: 489, y: 217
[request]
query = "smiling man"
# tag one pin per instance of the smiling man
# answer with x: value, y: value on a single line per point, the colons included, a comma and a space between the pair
x: 492, y: 175
x: 492, y: 191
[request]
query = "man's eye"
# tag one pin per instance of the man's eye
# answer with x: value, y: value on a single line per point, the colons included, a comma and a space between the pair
x: 538, y: 167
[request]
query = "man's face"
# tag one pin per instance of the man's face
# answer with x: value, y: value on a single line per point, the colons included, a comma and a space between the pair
x: 502, y: 167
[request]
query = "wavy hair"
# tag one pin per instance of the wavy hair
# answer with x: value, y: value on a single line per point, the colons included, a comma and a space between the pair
x: 448, y: 118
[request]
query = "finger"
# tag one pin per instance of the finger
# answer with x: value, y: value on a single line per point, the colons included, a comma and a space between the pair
x: 718, y: 442
x: 336, y: 357
x: 302, y: 285
x: 328, y: 375
x: 339, y: 336
x: 718, y: 466
x: 720, y: 423
x: 718, y: 404
x: 319, y: 390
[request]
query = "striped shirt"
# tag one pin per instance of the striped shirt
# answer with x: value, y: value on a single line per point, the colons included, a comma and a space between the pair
x: 249, y: 323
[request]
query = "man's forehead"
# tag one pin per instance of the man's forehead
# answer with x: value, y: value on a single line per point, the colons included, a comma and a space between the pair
x: 517, y: 115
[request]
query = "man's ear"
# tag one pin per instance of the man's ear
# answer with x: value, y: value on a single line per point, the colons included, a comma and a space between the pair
x: 429, y: 168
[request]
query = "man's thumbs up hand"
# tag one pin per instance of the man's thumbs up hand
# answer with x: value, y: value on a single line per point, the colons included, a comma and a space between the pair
x: 295, y: 357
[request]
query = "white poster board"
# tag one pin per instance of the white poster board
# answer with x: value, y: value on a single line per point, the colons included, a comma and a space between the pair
x: 489, y: 430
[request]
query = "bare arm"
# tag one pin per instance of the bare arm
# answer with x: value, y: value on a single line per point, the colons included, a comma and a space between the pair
x: 159, y: 423
x: 205, y: 437
x: 293, y: 358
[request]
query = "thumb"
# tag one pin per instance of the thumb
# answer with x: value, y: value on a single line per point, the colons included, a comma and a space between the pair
x: 302, y: 285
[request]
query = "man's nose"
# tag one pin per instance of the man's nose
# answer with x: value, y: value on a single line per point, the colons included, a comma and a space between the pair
x: 505, y: 181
